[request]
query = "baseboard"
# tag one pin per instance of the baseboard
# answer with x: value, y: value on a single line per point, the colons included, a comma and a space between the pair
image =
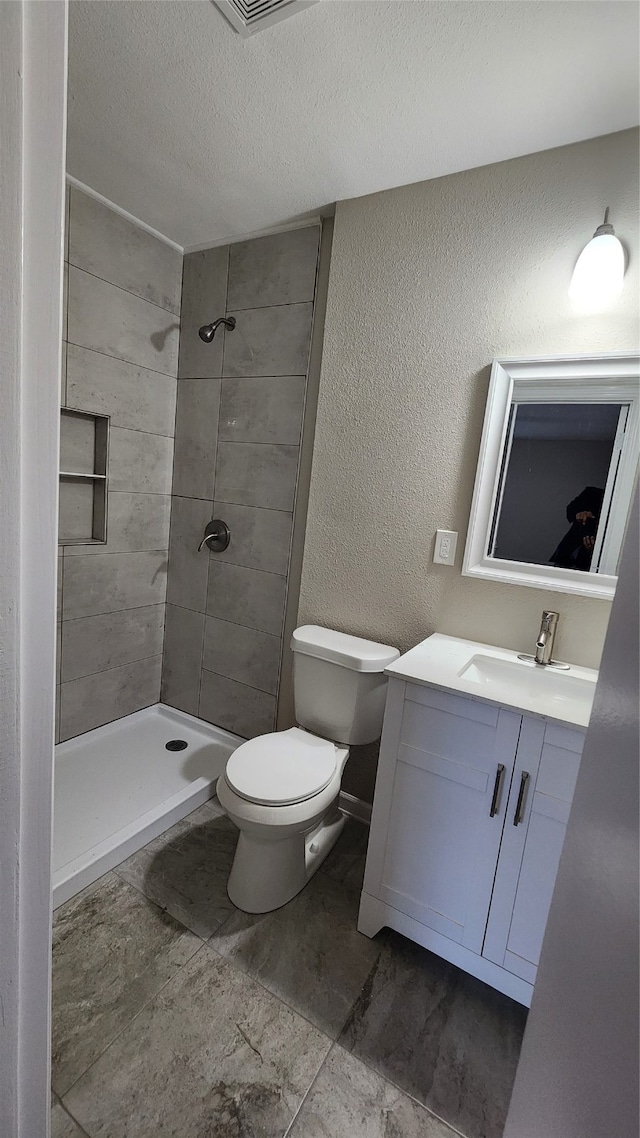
x: 355, y: 807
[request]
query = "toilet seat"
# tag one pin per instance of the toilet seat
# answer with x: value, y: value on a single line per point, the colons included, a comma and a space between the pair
x: 282, y: 768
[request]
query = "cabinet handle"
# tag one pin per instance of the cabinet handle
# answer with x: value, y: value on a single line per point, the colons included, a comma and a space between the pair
x: 518, y: 816
x: 496, y: 790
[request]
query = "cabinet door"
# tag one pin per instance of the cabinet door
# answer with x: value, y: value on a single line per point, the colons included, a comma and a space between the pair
x: 442, y: 837
x: 531, y: 849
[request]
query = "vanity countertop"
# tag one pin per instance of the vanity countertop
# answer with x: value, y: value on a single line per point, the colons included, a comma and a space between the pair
x: 496, y: 675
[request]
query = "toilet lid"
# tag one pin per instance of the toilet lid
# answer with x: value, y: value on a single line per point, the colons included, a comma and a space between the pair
x: 281, y: 768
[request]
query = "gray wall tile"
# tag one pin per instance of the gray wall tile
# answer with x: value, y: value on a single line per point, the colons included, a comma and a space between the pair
x: 93, y: 700
x: 75, y: 510
x: 96, y: 643
x: 109, y: 319
x: 182, y: 658
x: 242, y: 654
x: 59, y: 586
x: 236, y: 707
x: 279, y: 269
x: 204, y: 298
x: 260, y: 538
x: 109, y: 246
x: 269, y: 341
x: 249, y: 597
x: 264, y: 410
x: 139, y: 461
x: 57, y: 716
x: 133, y: 396
x: 135, y: 522
x: 59, y: 652
x: 108, y: 582
x: 77, y: 443
x: 196, y: 437
x: 257, y: 474
x: 187, y: 586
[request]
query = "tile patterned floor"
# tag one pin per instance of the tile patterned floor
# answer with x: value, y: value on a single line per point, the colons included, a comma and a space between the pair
x: 175, y: 1014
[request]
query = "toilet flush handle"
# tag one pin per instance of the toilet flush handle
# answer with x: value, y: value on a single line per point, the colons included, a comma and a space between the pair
x: 217, y: 536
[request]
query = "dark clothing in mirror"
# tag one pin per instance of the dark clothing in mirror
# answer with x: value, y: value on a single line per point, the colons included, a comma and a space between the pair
x: 575, y: 551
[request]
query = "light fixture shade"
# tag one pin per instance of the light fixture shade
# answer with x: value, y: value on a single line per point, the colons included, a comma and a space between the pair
x: 599, y: 272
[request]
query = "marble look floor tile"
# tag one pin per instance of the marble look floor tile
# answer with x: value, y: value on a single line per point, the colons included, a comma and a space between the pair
x: 309, y: 953
x: 349, y: 1099
x: 112, y: 951
x: 441, y: 1035
x: 345, y: 864
x: 186, y: 869
x: 62, y: 1125
x: 212, y: 1055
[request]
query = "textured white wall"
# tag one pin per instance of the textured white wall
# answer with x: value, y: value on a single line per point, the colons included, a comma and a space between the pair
x: 428, y: 284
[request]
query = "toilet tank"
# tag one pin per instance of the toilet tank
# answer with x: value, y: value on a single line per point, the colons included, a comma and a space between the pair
x: 339, y: 685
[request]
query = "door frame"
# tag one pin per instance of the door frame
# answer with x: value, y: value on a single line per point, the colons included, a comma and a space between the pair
x: 33, y: 80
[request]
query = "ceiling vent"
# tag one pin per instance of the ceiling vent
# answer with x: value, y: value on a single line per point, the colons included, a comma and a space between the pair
x: 249, y: 16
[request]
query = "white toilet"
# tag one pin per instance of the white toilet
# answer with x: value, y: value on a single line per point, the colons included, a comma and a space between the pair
x: 281, y: 789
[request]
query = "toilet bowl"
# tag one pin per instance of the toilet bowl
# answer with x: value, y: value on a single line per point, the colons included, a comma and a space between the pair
x: 282, y: 789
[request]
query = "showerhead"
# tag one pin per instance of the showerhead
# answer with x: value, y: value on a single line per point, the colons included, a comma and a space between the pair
x: 208, y: 331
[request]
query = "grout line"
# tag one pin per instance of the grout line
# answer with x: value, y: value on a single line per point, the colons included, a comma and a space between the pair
x: 136, y: 430
x: 248, y: 506
x: 308, y: 1091
x: 143, y: 367
x: 236, y: 624
x: 110, y: 356
x: 115, y: 668
x: 252, y: 687
x: 105, y: 280
x: 134, y: 608
x: 259, y: 443
x: 283, y: 304
x: 81, y: 1129
x: 144, y: 1006
x: 111, y: 553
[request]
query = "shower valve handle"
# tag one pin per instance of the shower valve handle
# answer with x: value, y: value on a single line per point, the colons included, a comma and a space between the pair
x: 217, y: 536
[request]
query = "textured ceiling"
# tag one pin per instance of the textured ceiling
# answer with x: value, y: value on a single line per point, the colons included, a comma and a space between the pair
x: 205, y: 136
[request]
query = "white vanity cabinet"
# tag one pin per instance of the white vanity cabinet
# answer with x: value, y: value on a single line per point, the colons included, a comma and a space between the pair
x: 468, y: 822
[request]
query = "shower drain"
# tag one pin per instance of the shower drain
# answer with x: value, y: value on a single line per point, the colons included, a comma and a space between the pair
x: 176, y: 745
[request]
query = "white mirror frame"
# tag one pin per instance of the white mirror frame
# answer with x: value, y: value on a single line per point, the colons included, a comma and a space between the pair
x: 562, y: 379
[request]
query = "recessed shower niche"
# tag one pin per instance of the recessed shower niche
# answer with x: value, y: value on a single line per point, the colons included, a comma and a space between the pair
x: 84, y: 452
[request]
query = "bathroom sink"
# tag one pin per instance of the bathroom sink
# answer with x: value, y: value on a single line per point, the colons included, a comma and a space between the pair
x: 519, y: 680
x: 499, y: 676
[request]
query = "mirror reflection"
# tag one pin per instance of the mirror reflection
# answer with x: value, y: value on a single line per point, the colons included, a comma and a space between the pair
x: 558, y: 475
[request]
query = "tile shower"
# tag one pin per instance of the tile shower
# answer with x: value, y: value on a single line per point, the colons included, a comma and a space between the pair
x: 238, y: 430
x: 143, y: 616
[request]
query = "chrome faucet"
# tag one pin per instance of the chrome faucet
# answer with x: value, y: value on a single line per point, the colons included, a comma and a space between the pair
x: 545, y: 642
x: 546, y: 638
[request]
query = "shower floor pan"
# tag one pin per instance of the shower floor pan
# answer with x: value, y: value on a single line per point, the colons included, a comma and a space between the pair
x: 118, y: 787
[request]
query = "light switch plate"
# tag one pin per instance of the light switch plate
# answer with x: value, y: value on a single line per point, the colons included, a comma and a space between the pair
x: 445, y: 547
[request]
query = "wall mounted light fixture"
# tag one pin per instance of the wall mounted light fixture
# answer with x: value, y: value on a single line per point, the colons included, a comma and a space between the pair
x: 599, y: 272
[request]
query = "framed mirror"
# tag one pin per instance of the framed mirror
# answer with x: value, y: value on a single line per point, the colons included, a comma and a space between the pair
x: 556, y: 473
